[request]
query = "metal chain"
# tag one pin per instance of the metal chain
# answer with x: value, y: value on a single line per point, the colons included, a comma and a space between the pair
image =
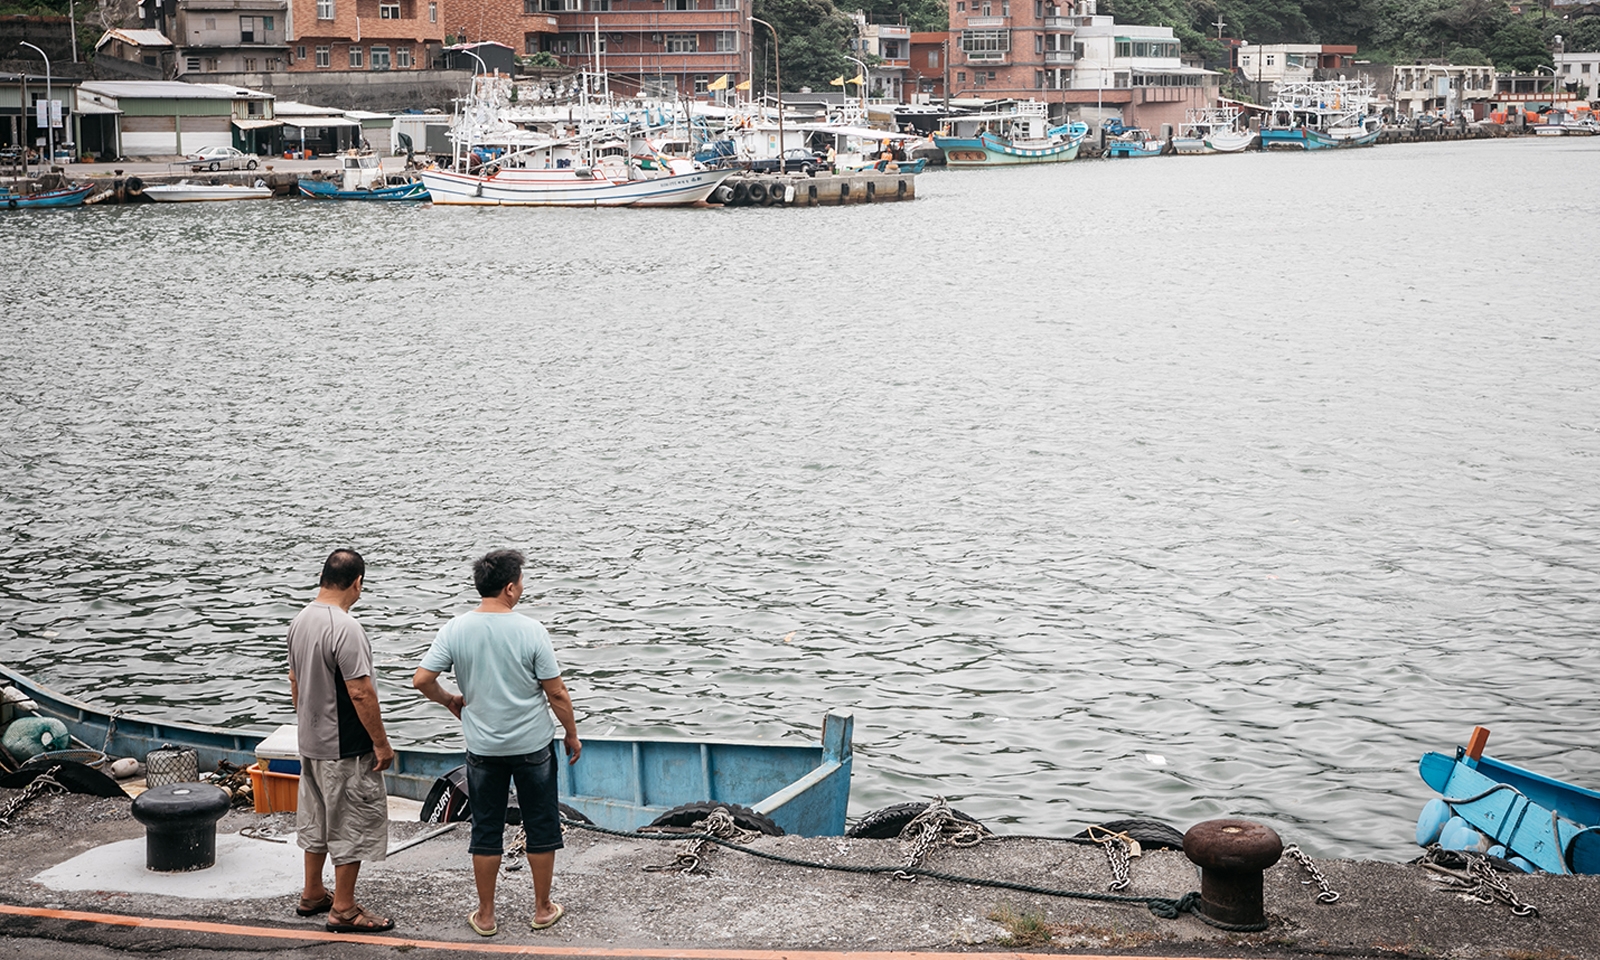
x: 1118, y: 854
x: 1325, y: 893
x: 111, y: 728
x: 1478, y: 881
x: 42, y: 784
x: 932, y: 826
x: 719, y: 824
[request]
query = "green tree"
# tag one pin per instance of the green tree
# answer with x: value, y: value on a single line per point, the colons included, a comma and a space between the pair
x: 1582, y: 35
x: 916, y: 14
x: 1519, y: 46
x: 813, y: 36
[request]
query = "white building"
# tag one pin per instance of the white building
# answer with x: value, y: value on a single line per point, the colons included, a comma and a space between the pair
x: 1136, y: 71
x: 1582, y: 69
x: 1441, y: 88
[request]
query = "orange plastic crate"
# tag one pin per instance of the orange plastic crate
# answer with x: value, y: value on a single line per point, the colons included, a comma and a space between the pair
x: 274, y: 792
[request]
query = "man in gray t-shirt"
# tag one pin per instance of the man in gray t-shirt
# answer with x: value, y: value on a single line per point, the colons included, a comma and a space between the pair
x: 343, y: 809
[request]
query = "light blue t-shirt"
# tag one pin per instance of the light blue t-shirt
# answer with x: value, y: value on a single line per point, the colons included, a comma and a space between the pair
x: 499, y: 659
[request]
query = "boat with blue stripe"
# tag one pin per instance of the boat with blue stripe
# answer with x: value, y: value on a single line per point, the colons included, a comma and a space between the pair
x: 1008, y: 134
x: 620, y: 783
x: 64, y: 197
x: 1490, y: 806
x: 1321, y: 115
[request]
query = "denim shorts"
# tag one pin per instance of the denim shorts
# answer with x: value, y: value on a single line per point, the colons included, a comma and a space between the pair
x: 488, y: 785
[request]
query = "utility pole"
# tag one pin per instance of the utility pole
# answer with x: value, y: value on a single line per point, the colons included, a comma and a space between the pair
x: 777, y: 80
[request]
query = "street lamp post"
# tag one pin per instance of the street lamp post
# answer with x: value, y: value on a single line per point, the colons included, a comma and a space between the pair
x: 777, y: 81
x: 49, y: 113
x: 861, y: 87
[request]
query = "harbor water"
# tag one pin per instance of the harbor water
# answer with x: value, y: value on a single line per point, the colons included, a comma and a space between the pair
x: 1179, y: 488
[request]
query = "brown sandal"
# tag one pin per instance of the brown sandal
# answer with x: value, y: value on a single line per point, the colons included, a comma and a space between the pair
x: 310, y: 908
x: 358, y: 921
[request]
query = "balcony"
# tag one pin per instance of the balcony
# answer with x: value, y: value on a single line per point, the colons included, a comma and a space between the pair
x: 895, y: 32
x: 1061, y: 23
x: 989, y: 58
x: 653, y: 21
x: 975, y: 23
x: 1054, y: 58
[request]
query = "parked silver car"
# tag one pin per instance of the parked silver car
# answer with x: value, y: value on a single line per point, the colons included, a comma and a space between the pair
x: 219, y: 158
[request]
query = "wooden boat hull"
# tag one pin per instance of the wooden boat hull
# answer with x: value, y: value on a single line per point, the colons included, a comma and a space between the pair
x: 1535, y: 817
x: 70, y: 197
x: 619, y: 783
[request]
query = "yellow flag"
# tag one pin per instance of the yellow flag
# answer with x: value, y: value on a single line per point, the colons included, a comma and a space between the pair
x: 742, y: 86
x: 721, y: 83
x: 858, y: 80
x: 837, y: 81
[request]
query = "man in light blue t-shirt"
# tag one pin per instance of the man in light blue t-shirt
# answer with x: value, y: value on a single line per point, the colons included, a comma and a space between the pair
x: 510, y: 685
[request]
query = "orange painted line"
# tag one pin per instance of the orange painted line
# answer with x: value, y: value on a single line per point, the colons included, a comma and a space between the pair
x: 529, y: 950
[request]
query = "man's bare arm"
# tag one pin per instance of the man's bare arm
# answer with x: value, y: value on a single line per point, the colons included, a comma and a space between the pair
x: 555, y: 690
x: 364, y: 697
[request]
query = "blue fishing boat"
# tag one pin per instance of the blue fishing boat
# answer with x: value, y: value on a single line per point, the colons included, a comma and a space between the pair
x: 1320, y: 115
x: 619, y: 783
x: 361, y: 177
x: 1134, y: 142
x: 1509, y: 811
x: 67, y: 197
x: 1011, y: 133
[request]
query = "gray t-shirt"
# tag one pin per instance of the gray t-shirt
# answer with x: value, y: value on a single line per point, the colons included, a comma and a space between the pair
x: 327, y: 647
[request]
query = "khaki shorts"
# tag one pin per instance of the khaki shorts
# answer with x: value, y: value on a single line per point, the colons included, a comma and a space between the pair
x: 343, y: 809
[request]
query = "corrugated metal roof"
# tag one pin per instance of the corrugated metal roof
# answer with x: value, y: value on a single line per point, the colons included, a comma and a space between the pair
x: 139, y: 38
x: 171, y: 90
x: 326, y: 121
x: 257, y: 124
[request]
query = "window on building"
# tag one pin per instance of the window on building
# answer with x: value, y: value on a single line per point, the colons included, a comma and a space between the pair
x: 961, y: 6
x: 211, y: 23
x: 380, y: 58
x: 701, y: 82
x: 249, y: 64
x: 987, y: 7
x: 681, y: 5
x: 985, y: 44
x: 961, y: 76
x: 247, y: 29
x: 266, y: 24
x: 402, y: 58
x: 274, y: 64
x: 324, y: 10
x: 388, y: 11
x: 191, y: 64
x: 433, y: 13
x: 530, y: 43
x: 725, y: 4
x: 933, y: 59
x: 1038, y: 9
x: 1038, y: 79
x: 300, y: 52
x: 356, y: 58
x: 1005, y: 8
x: 600, y: 6
x: 980, y: 79
x: 1038, y: 43
x: 530, y: 7
x: 726, y: 41
x: 1585, y: 68
x: 324, y: 56
x: 1270, y: 59
x: 683, y: 43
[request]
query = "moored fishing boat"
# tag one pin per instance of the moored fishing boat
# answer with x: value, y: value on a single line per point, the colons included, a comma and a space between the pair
x: 185, y: 192
x: 1491, y: 806
x: 64, y: 197
x: 1012, y: 133
x: 1319, y: 115
x: 620, y: 783
x: 1212, y: 130
x: 1134, y: 142
x: 497, y: 163
x: 361, y: 177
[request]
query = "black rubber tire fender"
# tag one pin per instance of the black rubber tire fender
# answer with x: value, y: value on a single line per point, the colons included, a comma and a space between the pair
x: 758, y: 193
x: 690, y: 813
x: 135, y: 185
x: 741, y: 193
x: 1151, y: 834
x: 886, y: 823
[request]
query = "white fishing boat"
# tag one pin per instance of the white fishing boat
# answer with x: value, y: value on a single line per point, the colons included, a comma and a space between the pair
x: 1213, y: 130
x: 1319, y: 114
x: 185, y: 192
x: 497, y: 162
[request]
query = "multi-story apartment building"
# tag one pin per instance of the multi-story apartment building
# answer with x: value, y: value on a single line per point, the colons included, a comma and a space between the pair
x: 1441, y: 88
x: 665, y: 47
x: 1582, y: 69
x: 1010, y: 48
x: 230, y: 36
x: 366, y: 35
x: 888, y: 48
x: 1136, y: 73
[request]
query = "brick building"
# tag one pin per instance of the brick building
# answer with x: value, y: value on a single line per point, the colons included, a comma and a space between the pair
x: 664, y: 47
x: 335, y: 35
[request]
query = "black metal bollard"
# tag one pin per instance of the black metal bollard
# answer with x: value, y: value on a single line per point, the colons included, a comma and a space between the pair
x: 180, y: 825
x: 1231, y: 855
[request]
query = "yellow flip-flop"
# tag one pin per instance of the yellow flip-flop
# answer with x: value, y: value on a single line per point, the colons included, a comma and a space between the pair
x: 560, y: 912
x: 472, y: 921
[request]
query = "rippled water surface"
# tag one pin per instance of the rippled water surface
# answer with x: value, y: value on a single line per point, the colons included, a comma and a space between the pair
x: 1185, y: 487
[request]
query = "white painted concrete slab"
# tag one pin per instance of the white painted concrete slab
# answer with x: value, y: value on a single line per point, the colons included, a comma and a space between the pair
x: 246, y: 869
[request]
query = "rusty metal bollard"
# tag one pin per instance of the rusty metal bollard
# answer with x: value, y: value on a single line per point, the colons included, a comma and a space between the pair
x: 1231, y: 855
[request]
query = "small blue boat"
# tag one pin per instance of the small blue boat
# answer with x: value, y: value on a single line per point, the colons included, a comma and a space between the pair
x: 619, y: 783
x: 1134, y: 142
x: 323, y: 190
x: 1544, y: 821
x: 68, y: 197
